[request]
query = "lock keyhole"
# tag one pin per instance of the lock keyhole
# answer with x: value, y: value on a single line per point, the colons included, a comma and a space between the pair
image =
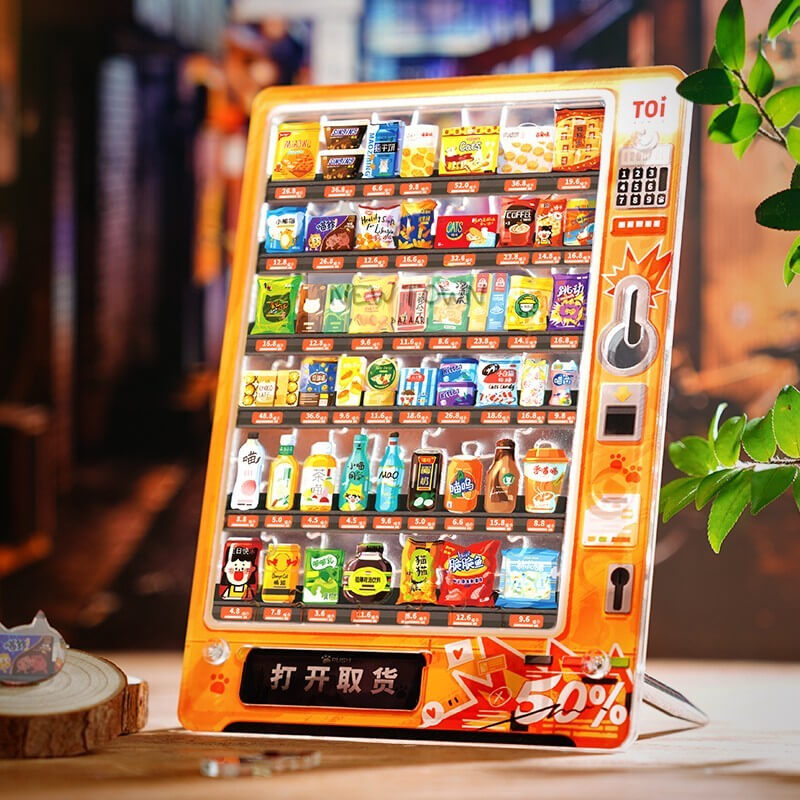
x: 619, y: 578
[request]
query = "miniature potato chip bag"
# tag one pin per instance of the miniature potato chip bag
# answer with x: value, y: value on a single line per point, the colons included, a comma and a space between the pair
x: 350, y: 380
x: 416, y: 224
x: 285, y: 229
x: 449, y: 307
x: 418, y: 572
x: 528, y: 303
x: 372, y: 304
x: 276, y: 304
x: 467, y: 573
x: 376, y: 227
x: 528, y: 578
x: 296, y: 151
x: 568, y: 309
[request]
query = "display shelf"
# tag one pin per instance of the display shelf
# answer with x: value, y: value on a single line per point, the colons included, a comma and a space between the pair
x: 408, y: 416
x: 388, y: 613
x: 429, y: 258
x: 435, y: 185
x: 411, y: 342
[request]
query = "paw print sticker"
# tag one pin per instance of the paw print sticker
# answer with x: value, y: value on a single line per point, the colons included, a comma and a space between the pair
x: 616, y: 461
x: 218, y: 683
x: 632, y: 475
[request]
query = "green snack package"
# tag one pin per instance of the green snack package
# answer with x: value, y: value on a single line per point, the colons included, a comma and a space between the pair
x: 336, y: 318
x: 449, y: 303
x: 276, y: 305
x: 323, y: 576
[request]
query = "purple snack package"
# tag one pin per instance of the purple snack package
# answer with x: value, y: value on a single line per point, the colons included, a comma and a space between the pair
x: 455, y: 394
x: 334, y: 232
x: 568, y: 309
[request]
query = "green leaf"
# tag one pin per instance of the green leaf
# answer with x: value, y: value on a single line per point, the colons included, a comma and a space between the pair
x: 727, y: 508
x: 783, y: 106
x: 783, y: 17
x: 769, y: 483
x: 711, y: 484
x: 714, y: 61
x: 739, y: 148
x: 786, y: 421
x: 676, y: 495
x: 734, y: 123
x: 729, y: 440
x: 780, y: 210
x: 729, y: 37
x: 713, y: 426
x: 692, y: 455
x: 791, y: 266
x: 793, y: 142
x: 758, y: 438
x: 794, y: 183
x: 762, y: 78
x: 709, y: 86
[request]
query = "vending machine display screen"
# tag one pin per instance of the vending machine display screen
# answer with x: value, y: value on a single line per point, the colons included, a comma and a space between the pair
x: 440, y: 413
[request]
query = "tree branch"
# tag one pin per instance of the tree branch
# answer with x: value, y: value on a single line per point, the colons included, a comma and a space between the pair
x: 780, y: 137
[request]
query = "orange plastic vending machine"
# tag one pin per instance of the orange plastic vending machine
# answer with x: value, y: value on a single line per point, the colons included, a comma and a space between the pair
x: 431, y: 497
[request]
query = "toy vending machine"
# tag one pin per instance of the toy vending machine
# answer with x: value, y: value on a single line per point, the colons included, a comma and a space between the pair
x: 431, y: 496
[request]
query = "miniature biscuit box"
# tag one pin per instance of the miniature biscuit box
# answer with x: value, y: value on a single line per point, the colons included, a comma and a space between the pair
x: 469, y: 149
x: 526, y: 148
x: 296, y: 151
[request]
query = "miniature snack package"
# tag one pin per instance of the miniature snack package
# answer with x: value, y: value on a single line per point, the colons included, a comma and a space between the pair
x: 275, y: 304
x: 564, y: 378
x: 458, y: 369
x: 310, y: 308
x: 455, y: 394
x: 469, y: 149
x: 517, y: 221
x: 498, y: 297
x: 578, y: 223
x: 344, y: 134
x: 498, y: 380
x: 528, y: 303
x: 258, y: 388
x: 479, y: 304
x: 467, y: 573
x: 317, y: 380
x: 579, y: 135
x: 372, y: 304
x: 412, y: 304
x: 533, y: 383
x: 417, y: 386
x: 239, y: 577
x: 350, y: 380
x: 376, y: 227
x: 336, y: 318
x: 568, y: 307
x: 449, y: 306
x: 287, y: 383
x: 526, y: 148
x: 416, y: 224
x: 466, y: 230
x: 285, y: 228
x: 296, y: 151
x: 322, y: 576
x: 418, y: 572
x: 419, y: 151
x: 382, y: 378
x: 281, y: 571
x: 332, y: 232
x: 382, y: 158
x: 340, y: 165
x: 550, y: 222
x: 528, y: 578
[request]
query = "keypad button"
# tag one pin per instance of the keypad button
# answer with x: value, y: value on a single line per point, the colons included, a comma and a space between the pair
x: 636, y: 199
x: 622, y: 200
x: 624, y: 173
x: 622, y: 186
x: 638, y: 172
x: 649, y: 199
x: 636, y: 186
x: 649, y: 186
x: 651, y: 172
x: 661, y: 199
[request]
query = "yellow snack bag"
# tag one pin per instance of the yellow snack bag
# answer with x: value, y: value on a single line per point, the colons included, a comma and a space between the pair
x: 419, y: 151
x: 528, y: 303
x: 373, y: 300
x: 350, y: 380
x: 296, y: 151
x: 470, y: 149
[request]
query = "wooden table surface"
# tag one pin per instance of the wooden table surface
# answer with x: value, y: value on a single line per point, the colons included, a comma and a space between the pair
x: 750, y: 750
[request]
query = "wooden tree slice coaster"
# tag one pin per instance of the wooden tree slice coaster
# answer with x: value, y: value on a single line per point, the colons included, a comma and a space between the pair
x: 82, y: 708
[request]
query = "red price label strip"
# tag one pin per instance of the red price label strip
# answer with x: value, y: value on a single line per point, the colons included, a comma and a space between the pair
x: 277, y: 614
x: 526, y: 621
x: 367, y: 616
x: 467, y: 619
x: 321, y: 615
x: 413, y: 618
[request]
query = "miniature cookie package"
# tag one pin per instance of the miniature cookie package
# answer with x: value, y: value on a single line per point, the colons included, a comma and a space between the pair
x: 579, y: 135
x: 419, y: 151
x: 469, y: 149
x: 331, y: 232
x: 466, y: 230
x: 449, y: 306
x: 376, y: 227
x: 296, y: 151
x: 526, y: 148
x: 344, y: 134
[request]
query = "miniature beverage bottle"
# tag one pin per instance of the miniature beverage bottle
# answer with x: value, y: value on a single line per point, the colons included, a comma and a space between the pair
x: 502, y: 480
x: 249, y: 468
x: 423, y: 485
x: 391, y: 472
x: 354, y: 488
x: 367, y: 575
x: 284, y: 476
x: 318, y: 482
x: 463, y: 484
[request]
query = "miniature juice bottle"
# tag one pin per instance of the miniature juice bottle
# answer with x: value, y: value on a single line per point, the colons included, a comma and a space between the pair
x: 463, y: 484
x: 502, y: 480
x: 391, y: 472
x: 318, y: 481
x: 284, y: 475
x: 249, y: 468
x: 354, y: 487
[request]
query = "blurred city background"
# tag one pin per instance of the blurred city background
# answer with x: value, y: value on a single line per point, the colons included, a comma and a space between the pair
x: 122, y: 140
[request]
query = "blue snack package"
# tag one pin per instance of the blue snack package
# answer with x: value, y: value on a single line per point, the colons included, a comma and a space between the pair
x: 285, y: 231
x: 458, y: 370
x: 498, y: 296
x: 455, y: 394
x: 417, y: 386
x: 382, y: 159
x: 528, y: 578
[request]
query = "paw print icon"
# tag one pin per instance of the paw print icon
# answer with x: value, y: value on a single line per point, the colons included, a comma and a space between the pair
x: 218, y: 683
